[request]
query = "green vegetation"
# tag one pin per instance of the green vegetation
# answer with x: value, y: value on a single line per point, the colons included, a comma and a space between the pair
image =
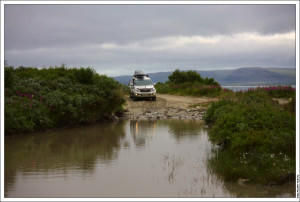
x: 44, y: 98
x: 277, y: 91
x: 125, y: 89
x: 256, y: 134
x: 189, y: 83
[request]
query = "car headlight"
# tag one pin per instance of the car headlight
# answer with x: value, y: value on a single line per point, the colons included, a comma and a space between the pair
x: 152, y: 89
x: 137, y: 90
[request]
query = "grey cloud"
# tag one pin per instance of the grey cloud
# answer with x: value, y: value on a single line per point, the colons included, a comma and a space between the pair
x: 43, y: 25
x: 122, y: 37
x: 180, y: 52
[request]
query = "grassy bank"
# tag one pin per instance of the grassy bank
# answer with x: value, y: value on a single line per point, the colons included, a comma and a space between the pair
x: 57, y: 96
x: 257, y: 135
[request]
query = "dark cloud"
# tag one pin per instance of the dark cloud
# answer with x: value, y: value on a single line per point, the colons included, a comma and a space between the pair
x: 119, y: 36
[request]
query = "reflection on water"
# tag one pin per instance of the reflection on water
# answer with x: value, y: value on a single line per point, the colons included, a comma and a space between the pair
x: 142, y: 131
x: 60, y: 152
x: 165, y: 158
x: 184, y: 129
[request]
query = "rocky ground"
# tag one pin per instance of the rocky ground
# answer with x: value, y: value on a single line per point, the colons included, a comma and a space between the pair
x: 171, y: 107
x: 168, y: 107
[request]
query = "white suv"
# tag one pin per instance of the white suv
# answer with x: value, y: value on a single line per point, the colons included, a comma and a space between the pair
x: 141, y: 86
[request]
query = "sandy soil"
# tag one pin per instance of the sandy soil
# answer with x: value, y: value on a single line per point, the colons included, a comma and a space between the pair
x: 282, y: 101
x: 168, y: 106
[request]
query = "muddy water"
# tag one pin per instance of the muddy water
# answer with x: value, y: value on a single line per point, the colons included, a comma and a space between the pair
x: 164, y: 158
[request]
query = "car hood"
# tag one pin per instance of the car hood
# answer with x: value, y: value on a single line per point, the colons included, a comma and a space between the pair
x: 143, y: 87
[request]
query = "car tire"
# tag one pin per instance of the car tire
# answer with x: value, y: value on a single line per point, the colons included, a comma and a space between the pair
x: 154, y: 98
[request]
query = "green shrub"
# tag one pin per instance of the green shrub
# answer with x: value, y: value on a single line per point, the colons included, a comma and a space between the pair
x: 181, y: 77
x: 45, y: 98
x: 255, y: 167
x: 178, y: 77
x: 216, y: 109
x: 9, y: 77
x: 189, y: 83
x: 84, y: 75
x: 162, y: 87
x: 258, y: 127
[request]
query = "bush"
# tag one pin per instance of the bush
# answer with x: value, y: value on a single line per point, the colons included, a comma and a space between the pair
x: 189, y: 83
x: 45, y: 98
x: 84, y: 75
x: 255, y: 133
x: 178, y: 77
x: 9, y: 77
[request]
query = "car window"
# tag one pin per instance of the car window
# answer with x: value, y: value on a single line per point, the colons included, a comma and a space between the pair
x: 142, y: 82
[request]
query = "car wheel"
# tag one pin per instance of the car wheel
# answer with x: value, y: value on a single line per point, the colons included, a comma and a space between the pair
x: 154, y: 98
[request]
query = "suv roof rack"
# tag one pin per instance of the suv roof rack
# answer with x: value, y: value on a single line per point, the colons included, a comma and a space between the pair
x: 140, y: 74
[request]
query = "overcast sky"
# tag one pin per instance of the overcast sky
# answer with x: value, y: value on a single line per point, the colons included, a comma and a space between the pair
x: 118, y: 39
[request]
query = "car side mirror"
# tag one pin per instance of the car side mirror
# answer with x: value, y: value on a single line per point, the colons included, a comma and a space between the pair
x: 154, y: 84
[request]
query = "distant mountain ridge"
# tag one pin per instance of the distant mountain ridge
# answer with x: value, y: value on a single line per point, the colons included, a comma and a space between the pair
x: 246, y: 76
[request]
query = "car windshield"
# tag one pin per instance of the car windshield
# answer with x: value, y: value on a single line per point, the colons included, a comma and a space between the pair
x: 142, y: 82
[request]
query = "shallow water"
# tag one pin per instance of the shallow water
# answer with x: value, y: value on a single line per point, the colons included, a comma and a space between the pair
x: 159, y: 158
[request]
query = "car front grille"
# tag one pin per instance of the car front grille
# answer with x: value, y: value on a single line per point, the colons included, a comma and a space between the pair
x: 145, y: 90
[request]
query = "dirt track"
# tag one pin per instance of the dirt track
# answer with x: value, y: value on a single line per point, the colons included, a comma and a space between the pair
x: 168, y: 106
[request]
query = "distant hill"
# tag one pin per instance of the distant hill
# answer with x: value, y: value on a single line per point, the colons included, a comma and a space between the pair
x: 237, y: 77
x: 156, y: 77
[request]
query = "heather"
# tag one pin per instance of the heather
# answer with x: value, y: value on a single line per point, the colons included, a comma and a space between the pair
x: 38, y: 99
x: 273, y: 91
x: 256, y: 135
